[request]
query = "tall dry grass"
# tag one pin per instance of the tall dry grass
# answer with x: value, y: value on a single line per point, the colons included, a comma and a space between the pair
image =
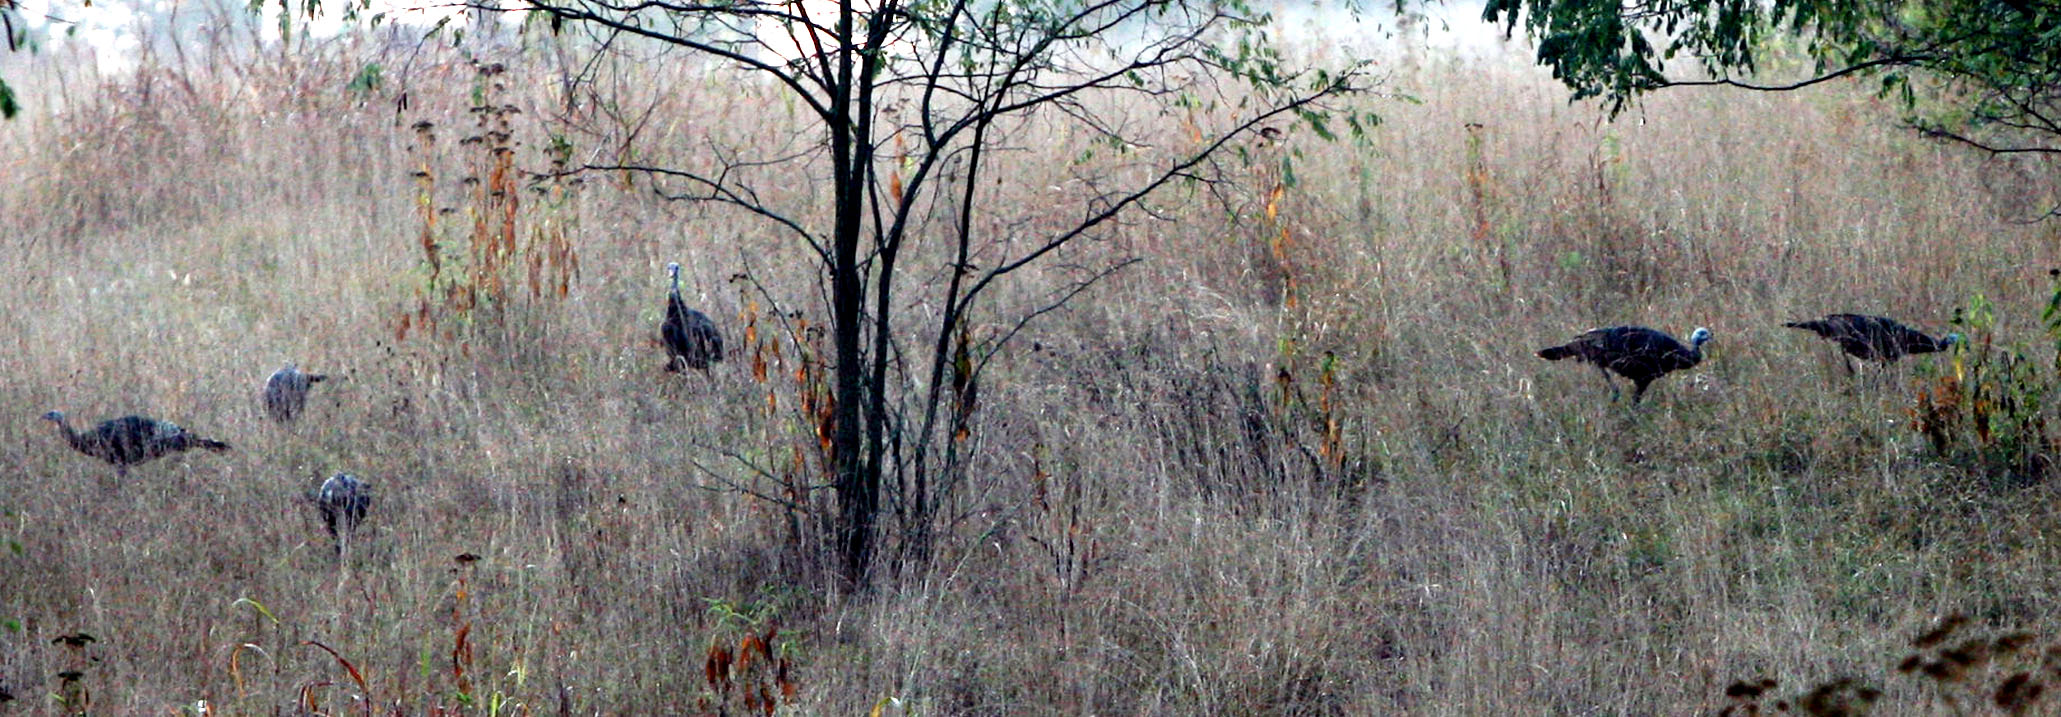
x: 1299, y: 463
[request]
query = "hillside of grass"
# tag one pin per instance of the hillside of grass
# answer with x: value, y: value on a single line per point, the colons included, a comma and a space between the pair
x: 1298, y: 458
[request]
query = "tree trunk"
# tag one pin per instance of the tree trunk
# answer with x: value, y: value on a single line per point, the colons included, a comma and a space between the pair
x: 858, y: 484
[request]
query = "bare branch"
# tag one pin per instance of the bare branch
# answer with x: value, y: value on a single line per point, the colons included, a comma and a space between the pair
x: 725, y: 483
x: 1847, y: 71
x: 1341, y: 83
x: 718, y: 190
x: 1937, y: 132
x: 780, y: 73
x: 1057, y: 303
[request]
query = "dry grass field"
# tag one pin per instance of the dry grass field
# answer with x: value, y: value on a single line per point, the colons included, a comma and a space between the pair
x: 1319, y: 475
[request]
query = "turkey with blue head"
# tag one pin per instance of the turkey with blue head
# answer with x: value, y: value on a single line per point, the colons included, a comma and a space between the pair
x: 1634, y: 352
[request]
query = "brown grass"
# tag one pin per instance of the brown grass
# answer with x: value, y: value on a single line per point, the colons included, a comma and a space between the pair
x: 1195, y: 495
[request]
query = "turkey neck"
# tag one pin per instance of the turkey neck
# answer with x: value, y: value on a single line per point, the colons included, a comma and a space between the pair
x: 71, y: 436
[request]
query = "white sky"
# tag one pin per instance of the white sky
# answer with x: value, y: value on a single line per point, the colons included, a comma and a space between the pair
x: 110, y: 27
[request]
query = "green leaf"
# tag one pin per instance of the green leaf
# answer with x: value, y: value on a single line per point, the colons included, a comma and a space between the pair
x: 368, y: 79
x: 1318, y: 122
x: 257, y: 607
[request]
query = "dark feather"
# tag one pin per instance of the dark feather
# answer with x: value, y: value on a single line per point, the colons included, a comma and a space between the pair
x: 1634, y: 352
x: 343, y: 500
x: 1873, y: 338
x: 131, y: 440
x: 286, y: 393
x: 690, y: 337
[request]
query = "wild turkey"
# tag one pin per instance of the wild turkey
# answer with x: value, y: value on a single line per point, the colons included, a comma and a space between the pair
x: 1634, y: 352
x: 286, y: 392
x: 130, y: 440
x: 342, y: 500
x: 1874, y: 338
x: 690, y: 337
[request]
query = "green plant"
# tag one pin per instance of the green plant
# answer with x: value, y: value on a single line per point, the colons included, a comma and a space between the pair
x: 1980, y: 72
x: 1983, y: 407
x: 368, y: 79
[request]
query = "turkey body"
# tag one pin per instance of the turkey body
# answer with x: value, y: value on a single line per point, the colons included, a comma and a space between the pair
x: 286, y: 393
x: 1874, y: 338
x: 690, y: 337
x: 342, y: 500
x: 131, y: 440
x: 1634, y: 352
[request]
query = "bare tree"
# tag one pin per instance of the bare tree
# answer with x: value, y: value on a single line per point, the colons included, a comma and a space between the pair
x: 913, y: 99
